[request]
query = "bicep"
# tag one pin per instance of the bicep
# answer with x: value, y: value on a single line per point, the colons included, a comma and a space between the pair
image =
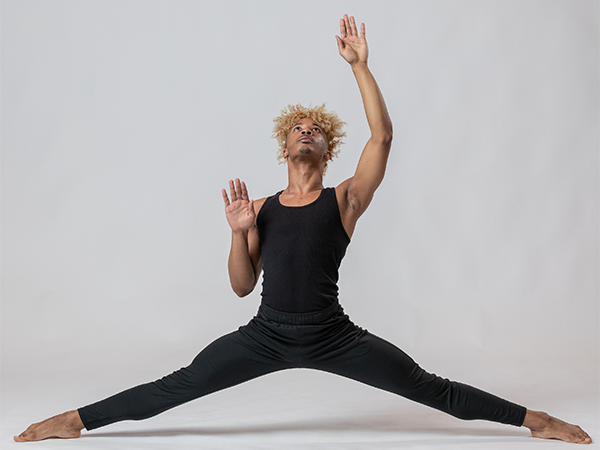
x: 368, y: 176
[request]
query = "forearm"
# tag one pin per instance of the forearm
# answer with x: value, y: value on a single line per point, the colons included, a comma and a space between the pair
x: 376, y: 111
x: 241, y: 270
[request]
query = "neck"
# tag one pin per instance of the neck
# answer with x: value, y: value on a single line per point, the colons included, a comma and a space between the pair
x: 304, y: 178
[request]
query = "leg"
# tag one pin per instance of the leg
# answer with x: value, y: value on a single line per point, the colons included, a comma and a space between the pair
x: 230, y: 360
x: 374, y: 361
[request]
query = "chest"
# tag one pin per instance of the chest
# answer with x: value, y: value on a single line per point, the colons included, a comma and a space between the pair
x: 296, y: 201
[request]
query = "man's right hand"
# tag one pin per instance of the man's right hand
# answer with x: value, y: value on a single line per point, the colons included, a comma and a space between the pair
x: 240, y: 210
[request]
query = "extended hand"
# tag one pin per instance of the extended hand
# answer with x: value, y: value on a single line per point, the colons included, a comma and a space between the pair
x: 240, y: 211
x: 353, y: 47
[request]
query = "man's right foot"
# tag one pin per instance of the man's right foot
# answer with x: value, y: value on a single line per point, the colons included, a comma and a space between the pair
x: 65, y: 426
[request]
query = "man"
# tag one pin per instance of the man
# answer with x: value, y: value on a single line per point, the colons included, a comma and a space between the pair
x: 298, y: 238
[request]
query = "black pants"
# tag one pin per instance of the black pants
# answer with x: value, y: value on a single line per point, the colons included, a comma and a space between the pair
x: 326, y: 340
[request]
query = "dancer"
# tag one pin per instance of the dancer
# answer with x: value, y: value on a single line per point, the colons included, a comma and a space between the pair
x: 298, y: 238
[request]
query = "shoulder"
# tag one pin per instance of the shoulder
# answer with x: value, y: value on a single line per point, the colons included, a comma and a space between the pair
x: 258, y: 204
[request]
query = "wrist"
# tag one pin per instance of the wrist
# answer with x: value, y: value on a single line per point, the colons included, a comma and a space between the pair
x: 359, y: 65
x: 240, y: 233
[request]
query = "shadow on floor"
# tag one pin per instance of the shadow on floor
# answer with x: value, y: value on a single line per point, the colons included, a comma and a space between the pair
x: 378, y: 424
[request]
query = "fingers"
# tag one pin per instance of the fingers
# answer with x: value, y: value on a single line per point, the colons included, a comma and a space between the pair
x: 353, y: 26
x: 225, y: 198
x: 345, y: 28
x: 348, y: 27
x: 237, y: 191
x: 244, y: 191
x: 340, y: 43
x: 232, y: 191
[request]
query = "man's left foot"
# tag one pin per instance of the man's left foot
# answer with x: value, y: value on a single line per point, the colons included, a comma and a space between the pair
x: 544, y: 426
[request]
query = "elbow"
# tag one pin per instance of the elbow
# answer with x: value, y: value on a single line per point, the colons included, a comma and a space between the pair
x: 384, y: 138
x: 388, y: 135
x: 387, y: 140
x: 241, y: 293
x: 383, y: 141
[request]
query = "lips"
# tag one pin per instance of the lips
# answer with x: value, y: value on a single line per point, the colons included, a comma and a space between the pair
x: 305, y: 139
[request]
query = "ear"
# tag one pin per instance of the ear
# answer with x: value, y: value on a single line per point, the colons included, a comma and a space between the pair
x: 285, y: 153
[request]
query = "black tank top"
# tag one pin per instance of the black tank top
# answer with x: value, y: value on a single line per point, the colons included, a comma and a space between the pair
x: 302, y: 248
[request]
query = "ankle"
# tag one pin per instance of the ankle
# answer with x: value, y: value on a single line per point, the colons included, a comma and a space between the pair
x: 536, y: 420
x: 73, y: 420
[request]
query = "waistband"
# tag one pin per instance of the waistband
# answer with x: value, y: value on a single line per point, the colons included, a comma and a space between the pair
x: 312, y: 318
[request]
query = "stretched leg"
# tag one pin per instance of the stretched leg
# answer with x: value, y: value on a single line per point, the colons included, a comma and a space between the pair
x: 230, y: 360
x: 376, y: 362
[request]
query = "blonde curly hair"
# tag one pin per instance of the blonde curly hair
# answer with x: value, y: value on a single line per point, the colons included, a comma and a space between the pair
x: 329, y: 121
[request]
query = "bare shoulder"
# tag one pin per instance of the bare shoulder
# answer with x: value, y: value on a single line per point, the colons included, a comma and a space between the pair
x: 258, y: 204
x: 253, y: 232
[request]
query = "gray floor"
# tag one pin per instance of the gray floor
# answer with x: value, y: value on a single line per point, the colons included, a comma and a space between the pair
x: 303, y: 409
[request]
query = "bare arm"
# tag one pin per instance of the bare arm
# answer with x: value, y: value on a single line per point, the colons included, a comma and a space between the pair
x: 357, y: 192
x: 245, y: 263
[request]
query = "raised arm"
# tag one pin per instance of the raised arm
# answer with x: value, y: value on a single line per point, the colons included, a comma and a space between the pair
x: 245, y: 263
x: 356, y: 192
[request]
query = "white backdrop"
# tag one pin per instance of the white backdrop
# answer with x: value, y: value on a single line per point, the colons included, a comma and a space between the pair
x: 122, y: 120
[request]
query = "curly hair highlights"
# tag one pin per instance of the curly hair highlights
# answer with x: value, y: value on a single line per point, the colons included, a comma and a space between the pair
x: 329, y: 121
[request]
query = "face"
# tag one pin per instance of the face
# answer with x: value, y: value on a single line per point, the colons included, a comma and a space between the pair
x: 307, y: 138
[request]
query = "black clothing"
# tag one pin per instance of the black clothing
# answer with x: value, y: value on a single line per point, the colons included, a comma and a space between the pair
x: 302, y: 249
x: 293, y: 240
x: 326, y: 340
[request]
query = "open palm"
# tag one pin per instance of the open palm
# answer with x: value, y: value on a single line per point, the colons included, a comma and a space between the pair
x: 352, y: 46
x: 240, y: 210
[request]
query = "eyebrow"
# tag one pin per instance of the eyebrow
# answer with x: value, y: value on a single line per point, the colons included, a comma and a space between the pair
x: 315, y: 124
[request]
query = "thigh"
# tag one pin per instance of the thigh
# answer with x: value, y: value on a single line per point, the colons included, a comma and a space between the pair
x: 376, y: 362
x: 230, y: 360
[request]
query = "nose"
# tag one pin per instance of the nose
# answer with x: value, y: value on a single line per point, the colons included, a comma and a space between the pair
x: 306, y: 132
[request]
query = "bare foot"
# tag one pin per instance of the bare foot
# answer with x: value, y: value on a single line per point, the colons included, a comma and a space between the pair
x: 545, y: 426
x: 65, y: 426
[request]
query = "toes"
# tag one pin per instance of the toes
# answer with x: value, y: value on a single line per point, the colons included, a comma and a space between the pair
x: 30, y: 434
x: 581, y: 436
x: 23, y: 437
